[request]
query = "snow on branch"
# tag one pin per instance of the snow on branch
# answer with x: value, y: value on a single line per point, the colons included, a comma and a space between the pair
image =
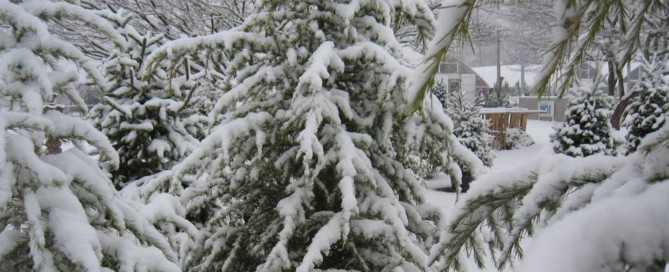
x: 72, y: 127
x: 515, y: 203
x: 452, y: 23
x: 590, y: 209
x: 221, y: 138
x: 617, y: 233
x: 176, y: 50
x: 59, y: 9
x: 65, y: 208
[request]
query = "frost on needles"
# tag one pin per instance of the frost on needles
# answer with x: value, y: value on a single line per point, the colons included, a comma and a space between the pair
x: 58, y: 209
x: 308, y: 164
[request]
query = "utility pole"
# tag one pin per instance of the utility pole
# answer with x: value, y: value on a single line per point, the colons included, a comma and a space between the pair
x: 629, y: 79
x: 522, y: 77
x: 498, y: 83
x: 522, y: 72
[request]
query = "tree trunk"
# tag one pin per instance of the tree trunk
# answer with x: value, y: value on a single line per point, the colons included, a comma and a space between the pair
x: 612, y: 77
x: 619, y: 110
x: 621, y: 81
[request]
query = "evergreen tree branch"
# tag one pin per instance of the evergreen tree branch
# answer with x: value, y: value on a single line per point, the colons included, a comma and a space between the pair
x: 476, y: 212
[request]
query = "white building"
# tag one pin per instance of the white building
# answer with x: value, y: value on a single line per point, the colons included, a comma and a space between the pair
x: 458, y: 76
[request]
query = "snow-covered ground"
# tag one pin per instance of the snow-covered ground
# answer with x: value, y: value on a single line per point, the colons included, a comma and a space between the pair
x: 539, y: 130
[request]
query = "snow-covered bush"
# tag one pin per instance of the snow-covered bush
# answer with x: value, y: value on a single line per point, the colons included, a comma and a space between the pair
x: 586, y: 130
x: 648, y: 111
x: 517, y: 138
x: 58, y: 209
x: 306, y: 167
x: 149, y: 118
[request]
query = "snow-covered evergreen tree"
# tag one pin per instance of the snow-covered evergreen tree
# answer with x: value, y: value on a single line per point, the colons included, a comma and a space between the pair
x: 149, y: 118
x: 647, y: 113
x: 153, y: 120
x: 586, y: 130
x: 58, y: 209
x: 439, y: 91
x: 307, y: 168
x: 469, y: 127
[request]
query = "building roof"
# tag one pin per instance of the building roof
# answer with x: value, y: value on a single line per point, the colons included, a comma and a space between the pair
x: 413, y: 58
x: 510, y: 73
x: 451, y: 66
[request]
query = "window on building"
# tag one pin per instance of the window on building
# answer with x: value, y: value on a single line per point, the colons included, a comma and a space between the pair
x: 584, y: 72
x: 453, y: 85
x: 442, y: 68
x: 448, y: 68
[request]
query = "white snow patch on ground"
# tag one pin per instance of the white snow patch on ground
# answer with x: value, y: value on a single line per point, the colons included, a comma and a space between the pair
x: 540, y: 130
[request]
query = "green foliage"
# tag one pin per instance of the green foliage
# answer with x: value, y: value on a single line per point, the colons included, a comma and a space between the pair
x: 582, y: 22
x: 470, y: 127
x: 439, y: 91
x: 509, y: 204
x: 453, y: 25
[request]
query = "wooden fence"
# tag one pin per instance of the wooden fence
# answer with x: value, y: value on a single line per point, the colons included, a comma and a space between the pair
x: 500, y: 119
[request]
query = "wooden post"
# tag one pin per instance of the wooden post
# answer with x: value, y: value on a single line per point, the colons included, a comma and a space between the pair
x: 505, y: 124
x: 515, y: 121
